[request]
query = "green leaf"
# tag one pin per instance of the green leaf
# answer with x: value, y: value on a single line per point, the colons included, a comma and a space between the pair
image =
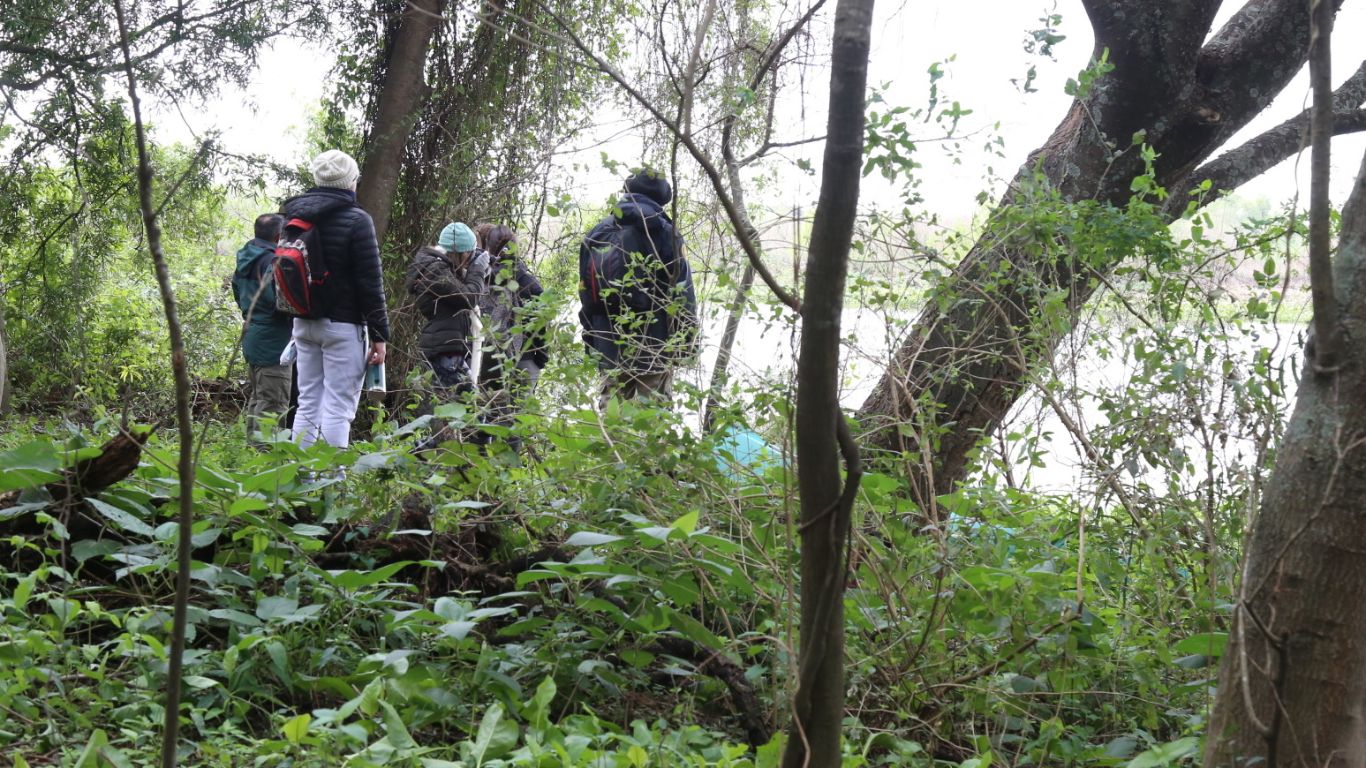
x: 457, y: 630
x: 1121, y: 747
x: 295, y: 728
x: 687, y: 524
x: 29, y: 465
x: 23, y: 591
x: 354, y: 580
x: 538, y: 709
x: 124, y: 520
x: 496, y: 736
x: 1206, y: 643
x: 276, y: 607
x: 236, y: 617
x: 395, y: 729
x: 247, y: 504
x: 589, y: 539
x: 1166, y: 754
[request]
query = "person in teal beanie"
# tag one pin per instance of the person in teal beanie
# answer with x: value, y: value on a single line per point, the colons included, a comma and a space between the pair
x: 266, y: 332
x: 446, y: 282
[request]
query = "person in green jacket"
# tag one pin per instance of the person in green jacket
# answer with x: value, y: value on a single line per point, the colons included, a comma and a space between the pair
x: 266, y: 332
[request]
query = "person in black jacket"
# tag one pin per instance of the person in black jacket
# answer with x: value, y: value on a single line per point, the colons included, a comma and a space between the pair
x: 333, y: 349
x: 639, y: 308
x: 447, y: 281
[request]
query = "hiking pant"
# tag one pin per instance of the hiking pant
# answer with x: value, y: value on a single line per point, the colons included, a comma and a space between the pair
x: 452, y: 372
x: 635, y: 385
x: 269, y: 395
x: 331, y: 367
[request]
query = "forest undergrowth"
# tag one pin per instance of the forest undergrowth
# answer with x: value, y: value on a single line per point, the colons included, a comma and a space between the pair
x: 619, y: 596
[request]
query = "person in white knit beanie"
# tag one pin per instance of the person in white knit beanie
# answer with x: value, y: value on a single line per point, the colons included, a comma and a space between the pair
x: 336, y: 169
x: 353, y: 328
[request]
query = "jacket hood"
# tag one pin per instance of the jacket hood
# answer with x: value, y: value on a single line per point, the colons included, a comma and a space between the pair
x: 250, y: 252
x: 651, y: 184
x: 637, y: 208
x: 316, y: 201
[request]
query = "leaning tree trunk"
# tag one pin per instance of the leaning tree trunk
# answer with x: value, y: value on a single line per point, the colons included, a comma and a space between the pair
x: 960, y: 369
x: 822, y: 434
x: 400, y: 101
x: 1292, y: 686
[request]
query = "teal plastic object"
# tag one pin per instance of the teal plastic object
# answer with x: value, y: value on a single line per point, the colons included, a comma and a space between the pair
x: 743, y: 453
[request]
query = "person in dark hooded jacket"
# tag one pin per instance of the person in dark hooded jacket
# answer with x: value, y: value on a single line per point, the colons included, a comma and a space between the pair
x: 333, y: 349
x: 639, y: 307
x: 267, y: 331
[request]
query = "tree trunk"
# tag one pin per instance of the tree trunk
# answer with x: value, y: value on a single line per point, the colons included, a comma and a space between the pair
x: 1292, y: 685
x: 822, y: 434
x: 961, y: 367
x: 4, y: 361
x: 720, y: 371
x: 400, y: 101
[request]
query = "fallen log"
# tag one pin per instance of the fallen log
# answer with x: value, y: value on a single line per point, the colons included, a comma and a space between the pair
x: 90, y: 476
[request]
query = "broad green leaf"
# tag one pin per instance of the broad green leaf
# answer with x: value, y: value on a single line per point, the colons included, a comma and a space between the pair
x: 395, y: 729
x: 247, y: 504
x: 687, y: 523
x: 354, y: 580
x: 29, y: 465
x: 295, y: 729
x: 24, y: 590
x: 124, y: 520
x: 1166, y: 754
x: 1121, y: 747
x: 457, y: 630
x: 1206, y: 644
x: 276, y: 607
x: 496, y: 736
x: 590, y: 538
x: 538, y: 709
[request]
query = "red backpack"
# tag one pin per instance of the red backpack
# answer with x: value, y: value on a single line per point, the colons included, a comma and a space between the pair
x: 300, y: 268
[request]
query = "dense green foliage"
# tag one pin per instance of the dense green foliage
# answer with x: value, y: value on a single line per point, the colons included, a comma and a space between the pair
x: 623, y: 593
x: 395, y: 619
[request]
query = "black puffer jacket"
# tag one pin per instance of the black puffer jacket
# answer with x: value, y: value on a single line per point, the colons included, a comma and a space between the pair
x: 355, y: 283
x: 446, y: 296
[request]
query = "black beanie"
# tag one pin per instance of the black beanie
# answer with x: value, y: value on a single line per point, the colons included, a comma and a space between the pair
x: 652, y: 185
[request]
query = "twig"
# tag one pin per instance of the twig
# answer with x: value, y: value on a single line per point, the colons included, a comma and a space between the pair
x: 182, y: 387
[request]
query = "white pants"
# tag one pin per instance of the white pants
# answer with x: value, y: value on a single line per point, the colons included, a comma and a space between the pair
x: 330, y: 370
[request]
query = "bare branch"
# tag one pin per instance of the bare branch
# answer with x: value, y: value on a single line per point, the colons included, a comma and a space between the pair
x: 1321, y: 130
x: 1258, y: 155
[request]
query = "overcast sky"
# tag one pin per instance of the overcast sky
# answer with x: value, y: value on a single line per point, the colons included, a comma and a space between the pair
x: 985, y: 38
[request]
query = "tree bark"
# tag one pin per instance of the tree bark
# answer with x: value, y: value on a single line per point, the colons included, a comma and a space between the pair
x: 822, y: 433
x: 399, y: 104
x: 720, y: 371
x: 1292, y: 683
x: 959, y: 370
